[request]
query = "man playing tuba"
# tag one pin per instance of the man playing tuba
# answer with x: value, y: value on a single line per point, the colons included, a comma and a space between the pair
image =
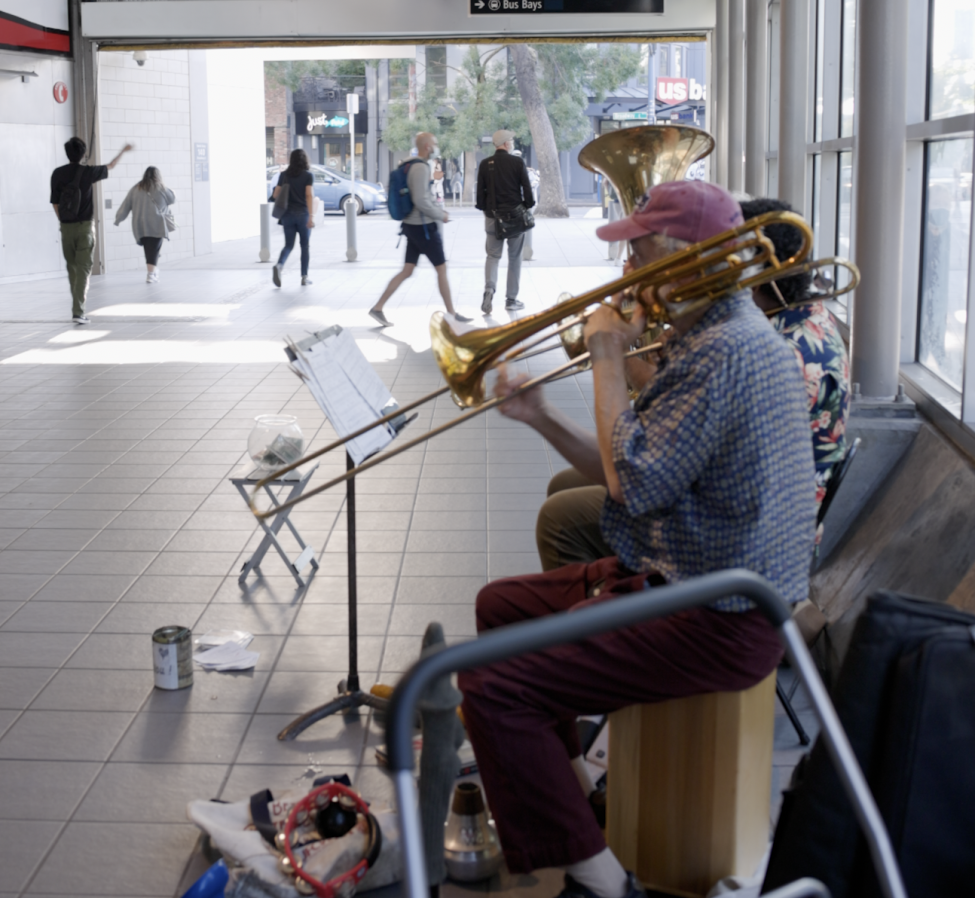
x: 711, y: 468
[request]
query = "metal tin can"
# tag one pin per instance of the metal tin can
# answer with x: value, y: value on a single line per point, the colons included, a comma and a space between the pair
x: 172, y: 657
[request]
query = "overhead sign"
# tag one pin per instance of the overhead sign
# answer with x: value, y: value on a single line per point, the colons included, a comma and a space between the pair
x: 679, y: 90
x: 35, y: 26
x: 535, y: 7
x: 629, y: 116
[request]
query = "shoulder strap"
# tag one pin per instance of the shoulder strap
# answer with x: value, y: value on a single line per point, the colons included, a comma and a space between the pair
x: 492, y: 200
x: 78, y: 174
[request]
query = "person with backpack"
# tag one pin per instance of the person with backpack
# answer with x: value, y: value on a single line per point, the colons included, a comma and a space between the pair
x: 411, y: 202
x: 297, y: 219
x: 149, y: 203
x: 71, y: 198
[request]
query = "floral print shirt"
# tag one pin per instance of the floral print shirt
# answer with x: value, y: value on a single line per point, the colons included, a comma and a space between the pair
x: 812, y: 333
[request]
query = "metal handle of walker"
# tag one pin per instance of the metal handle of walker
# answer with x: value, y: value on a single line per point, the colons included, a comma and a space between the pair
x: 557, y: 629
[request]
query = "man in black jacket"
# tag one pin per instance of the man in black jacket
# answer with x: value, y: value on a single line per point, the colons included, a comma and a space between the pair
x: 502, y: 184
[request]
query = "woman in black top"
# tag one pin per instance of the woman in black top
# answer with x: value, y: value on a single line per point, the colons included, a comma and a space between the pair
x: 298, y: 218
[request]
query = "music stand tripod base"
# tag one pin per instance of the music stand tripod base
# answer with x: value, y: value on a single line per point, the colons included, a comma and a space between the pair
x: 347, y: 700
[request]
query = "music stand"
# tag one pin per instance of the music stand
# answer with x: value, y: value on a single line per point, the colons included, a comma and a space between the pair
x: 350, y: 694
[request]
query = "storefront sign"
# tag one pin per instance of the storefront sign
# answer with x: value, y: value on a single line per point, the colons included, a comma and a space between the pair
x: 629, y: 116
x: 324, y: 122
x: 35, y: 26
x: 535, y: 7
x: 679, y: 90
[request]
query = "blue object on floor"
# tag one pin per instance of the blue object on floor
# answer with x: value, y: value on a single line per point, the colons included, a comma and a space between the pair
x: 210, y: 884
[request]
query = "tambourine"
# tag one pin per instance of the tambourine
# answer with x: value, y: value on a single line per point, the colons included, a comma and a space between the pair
x: 341, y: 886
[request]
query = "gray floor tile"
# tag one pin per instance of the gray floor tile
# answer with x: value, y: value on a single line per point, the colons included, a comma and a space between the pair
x: 7, y: 719
x: 333, y: 620
x: 8, y: 609
x: 513, y: 564
x: 212, y: 692
x: 429, y: 564
x: 57, y: 617
x: 142, y: 618
x: 88, y: 519
x: 44, y: 790
x: 193, y: 563
x: 92, y: 562
x: 412, y: 620
x: 181, y: 738
x: 335, y: 742
x: 335, y: 590
x: 64, y: 735
x: 84, y: 588
x: 95, y: 690
x: 246, y: 779
x: 189, y: 590
x: 400, y: 653
x: 386, y: 564
x: 328, y: 653
x: 86, y: 855
x: 19, y: 685
x: 35, y: 562
x: 264, y: 618
x: 294, y: 692
x: 148, y: 793
x: 130, y: 541
x: 53, y: 539
x: 20, y: 587
x: 148, y: 520
x: 435, y: 590
x: 22, y: 845
x: 37, y: 649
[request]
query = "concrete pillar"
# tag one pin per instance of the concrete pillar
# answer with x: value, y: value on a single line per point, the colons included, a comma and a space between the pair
x: 382, y: 91
x: 720, y: 81
x: 793, y: 79
x: 756, y: 96
x: 372, y: 116
x: 881, y: 114
x: 736, y: 94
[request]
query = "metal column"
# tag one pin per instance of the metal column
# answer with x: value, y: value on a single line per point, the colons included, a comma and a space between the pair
x: 794, y: 80
x: 756, y: 101
x: 720, y: 82
x: 736, y: 94
x: 881, y: 114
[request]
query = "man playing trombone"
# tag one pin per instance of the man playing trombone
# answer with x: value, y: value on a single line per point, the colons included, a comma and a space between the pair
x: 711, y: 468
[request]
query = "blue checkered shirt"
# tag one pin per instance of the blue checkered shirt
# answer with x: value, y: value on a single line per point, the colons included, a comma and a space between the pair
x: 715, y: 461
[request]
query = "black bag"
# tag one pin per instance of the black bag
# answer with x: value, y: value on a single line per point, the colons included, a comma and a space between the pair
x: 281, y: 203
x: 512, y: 223
x: 70, y: 202
x: 906, y: 698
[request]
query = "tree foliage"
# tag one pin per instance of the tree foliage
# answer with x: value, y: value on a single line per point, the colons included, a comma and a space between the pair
x: 347, y: 72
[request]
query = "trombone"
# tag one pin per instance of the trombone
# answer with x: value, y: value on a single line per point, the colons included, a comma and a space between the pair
x: 702, y: 272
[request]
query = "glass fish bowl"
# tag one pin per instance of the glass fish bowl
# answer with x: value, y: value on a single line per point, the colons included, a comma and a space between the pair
x: 275, y: 441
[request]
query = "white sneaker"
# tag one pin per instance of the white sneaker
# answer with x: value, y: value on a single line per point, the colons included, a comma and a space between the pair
x: 153, y: 278
x: 81, y: 319
x: 306, y: 281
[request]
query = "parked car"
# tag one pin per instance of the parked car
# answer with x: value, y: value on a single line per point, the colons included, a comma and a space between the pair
x: 334, y: 188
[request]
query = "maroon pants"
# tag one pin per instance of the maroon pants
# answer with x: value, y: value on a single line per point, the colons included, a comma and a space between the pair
x: 521, y: 713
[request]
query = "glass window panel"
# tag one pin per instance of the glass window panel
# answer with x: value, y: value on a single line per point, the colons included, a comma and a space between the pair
x: 944, y: 261
x: 952, y: 78
x: 820, y: 63
x: 848, y: 70
x: 816, y: 191
x: 844, y: 214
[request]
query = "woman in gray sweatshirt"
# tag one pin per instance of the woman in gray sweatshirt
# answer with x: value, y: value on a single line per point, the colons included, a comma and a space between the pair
x: 149, y: 203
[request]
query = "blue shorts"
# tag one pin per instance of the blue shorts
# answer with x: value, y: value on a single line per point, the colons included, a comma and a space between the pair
x: 426, y: 244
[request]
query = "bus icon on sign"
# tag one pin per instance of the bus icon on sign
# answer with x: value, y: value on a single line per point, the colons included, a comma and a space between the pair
x: 494, y: 5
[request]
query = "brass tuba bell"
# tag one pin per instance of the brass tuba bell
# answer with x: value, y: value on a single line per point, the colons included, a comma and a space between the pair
x: 636, y: 159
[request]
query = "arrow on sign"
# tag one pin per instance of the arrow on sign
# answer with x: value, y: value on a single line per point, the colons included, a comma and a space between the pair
x: 480, y: 4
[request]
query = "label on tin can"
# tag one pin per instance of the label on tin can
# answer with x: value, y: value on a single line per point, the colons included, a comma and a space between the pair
x: 172, y: 657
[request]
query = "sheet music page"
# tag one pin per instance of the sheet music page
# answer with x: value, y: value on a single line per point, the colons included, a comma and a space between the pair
x: 345, y: 406
x: 360, y: 372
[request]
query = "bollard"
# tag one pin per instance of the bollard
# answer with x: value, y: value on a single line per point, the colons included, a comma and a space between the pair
x: 528, y: 251
x: 351, y: 208
x: 265, y: 232
x: 613, y: 249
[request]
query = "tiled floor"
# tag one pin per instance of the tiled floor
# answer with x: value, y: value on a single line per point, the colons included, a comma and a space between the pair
x: 116, y: 517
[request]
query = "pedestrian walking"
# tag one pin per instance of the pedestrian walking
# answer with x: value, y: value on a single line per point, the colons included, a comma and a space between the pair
x: 298, y: 219
x: 502, y: 185
x: 420, y: 229
x: 71, y: 198
x: 149, y: 203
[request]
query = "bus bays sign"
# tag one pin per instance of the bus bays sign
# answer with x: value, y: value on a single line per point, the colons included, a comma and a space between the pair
x: 536, y: 7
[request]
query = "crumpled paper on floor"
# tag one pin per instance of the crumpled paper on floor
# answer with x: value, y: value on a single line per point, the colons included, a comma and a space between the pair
x: 226, y: 650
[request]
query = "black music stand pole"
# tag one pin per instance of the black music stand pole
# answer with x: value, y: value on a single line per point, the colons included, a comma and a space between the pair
x: 350, y: 695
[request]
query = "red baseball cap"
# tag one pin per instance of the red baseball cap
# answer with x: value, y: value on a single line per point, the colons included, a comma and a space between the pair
x: 688, y: 210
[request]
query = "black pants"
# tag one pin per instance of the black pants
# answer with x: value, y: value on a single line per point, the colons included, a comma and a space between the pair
x: 152, y: 246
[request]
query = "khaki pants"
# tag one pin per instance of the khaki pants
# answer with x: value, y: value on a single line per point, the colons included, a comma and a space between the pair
x: 567, y: 530
x: 78, y: 246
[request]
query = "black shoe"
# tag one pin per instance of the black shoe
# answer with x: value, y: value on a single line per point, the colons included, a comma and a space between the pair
x: 380, y: 317
x: 81, y: 319
x: 463, y: 319
x: 488, y: 302
x: 276, y: 276
x: 512, y: 305
x: 575, y: 889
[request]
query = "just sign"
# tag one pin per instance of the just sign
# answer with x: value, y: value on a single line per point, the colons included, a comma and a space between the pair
x: 323, y: 121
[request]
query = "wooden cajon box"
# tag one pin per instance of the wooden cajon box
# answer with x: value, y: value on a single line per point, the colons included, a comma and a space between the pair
x: 690, y: 784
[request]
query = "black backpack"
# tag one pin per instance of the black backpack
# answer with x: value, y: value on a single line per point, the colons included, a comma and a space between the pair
x: 70, y: 204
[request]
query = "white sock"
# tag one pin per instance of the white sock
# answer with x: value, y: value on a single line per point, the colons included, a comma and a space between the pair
x: 582, y: 773
x: 602, y: 873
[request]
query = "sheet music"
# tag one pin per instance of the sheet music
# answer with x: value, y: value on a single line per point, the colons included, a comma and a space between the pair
x: 347, y: 389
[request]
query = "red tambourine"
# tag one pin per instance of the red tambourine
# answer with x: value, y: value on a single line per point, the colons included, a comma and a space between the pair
x: 341, y: 886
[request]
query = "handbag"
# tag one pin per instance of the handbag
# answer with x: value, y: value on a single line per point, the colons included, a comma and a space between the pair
x: 513, y: 223
x: 281, y: 203
x: 170, y: 219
